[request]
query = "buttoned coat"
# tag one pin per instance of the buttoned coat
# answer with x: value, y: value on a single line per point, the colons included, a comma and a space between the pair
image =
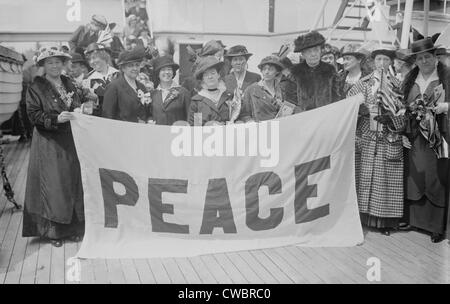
x: 121, y: 101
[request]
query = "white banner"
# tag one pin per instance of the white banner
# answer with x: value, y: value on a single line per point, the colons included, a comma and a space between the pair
x: 161, y: 191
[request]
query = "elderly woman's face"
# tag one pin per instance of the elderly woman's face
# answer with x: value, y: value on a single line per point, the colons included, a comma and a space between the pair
x: 382, y: 62
x: 166, y: 74
x: 239, y: 63
x: 211, y: 78
x: 131, y: 70
x: 426, y: 62
x: 312, y: 55
x: 269, y: 72
x: 53, y: 66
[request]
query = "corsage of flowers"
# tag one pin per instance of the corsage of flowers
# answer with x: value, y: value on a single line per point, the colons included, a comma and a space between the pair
x: 145, y: 98
x: 173, y: 93
x: 66, y: 97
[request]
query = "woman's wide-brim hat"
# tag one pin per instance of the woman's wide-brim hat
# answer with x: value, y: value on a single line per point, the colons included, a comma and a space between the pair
x: 421, y: 46
x: 45, y: 53
x: 384, y: 50
x: 94, y: 47
x: 405, y: 56
x: 442, y: 51
x: 273, y: 60
x: 135, y: 55
x: 354, y: 49
x: 238, y: 50
x: 211, y: 48
x: 206, y: 63
x: 77, y: 58
x: 308, y: 40
x: 164, y: 61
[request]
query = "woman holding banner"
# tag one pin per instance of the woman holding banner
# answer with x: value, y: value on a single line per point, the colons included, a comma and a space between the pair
x: 54, y: 195
x: 427, y: 89
x: 126, y: 98
x: 379, y: 182
x: 170, y: 102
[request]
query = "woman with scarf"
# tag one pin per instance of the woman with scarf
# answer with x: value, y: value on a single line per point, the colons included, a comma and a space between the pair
x: 427, y: 93
x: 379, y: 182
x: 54, y: 195
x: 214, y: 103
x: 262, y: 100
x: 170, y: 102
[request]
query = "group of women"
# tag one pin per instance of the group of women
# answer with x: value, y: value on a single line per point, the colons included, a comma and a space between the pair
x: 387, y: 122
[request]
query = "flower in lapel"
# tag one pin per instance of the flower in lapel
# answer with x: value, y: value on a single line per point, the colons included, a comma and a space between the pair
x: 145, y: 98
x: 173, y: 93
x: 66, y: 97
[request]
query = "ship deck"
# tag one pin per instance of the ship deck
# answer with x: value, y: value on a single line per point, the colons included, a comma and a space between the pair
x: 405, y: 257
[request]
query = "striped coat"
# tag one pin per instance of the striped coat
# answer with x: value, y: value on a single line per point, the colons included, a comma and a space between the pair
x: 379, y: 160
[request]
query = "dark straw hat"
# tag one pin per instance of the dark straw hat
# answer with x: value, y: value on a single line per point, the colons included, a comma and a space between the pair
x: 238, y: 50
x: 423, y: 45
x: 382, y: 50
x: 273, y: 60
x: 136, y: 54
x: 162, y: 62
x: 206, y: 63
x: 93, y: 47
x: 354, y: 49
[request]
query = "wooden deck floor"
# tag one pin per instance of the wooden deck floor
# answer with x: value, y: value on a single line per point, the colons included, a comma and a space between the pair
x: 406, y: 257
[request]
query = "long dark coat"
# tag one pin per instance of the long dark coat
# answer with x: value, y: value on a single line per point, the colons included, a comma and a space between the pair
x: 210, y: 112
x: 317, y: 86
x: 121, y: 101
x: 172, y: 110
x: 250, y: 78
x: 54, y: 190
x: 425, y: 174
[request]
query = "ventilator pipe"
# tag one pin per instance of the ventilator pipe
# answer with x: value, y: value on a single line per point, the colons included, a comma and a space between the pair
x: 406, y: 24
x: 426, y: 10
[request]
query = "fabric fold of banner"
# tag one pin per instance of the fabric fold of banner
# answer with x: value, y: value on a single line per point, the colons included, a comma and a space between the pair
x: 176, y: 191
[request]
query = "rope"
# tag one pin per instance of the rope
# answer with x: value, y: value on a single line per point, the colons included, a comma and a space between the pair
x: 9, y: 193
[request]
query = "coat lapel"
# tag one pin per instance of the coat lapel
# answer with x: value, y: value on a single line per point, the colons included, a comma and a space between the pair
x: 166, y: 104
x: 129, y: 90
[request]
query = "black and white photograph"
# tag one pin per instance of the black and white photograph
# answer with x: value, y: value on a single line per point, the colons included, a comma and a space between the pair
x: 236, y: 145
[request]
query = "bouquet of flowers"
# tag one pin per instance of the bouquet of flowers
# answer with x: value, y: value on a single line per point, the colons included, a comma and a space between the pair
x: 145, y: 98
x: 422, y: 109
x: 66, y: 97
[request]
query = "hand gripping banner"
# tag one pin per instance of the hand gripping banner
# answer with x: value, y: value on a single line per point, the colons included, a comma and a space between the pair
x: 178, y: 191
